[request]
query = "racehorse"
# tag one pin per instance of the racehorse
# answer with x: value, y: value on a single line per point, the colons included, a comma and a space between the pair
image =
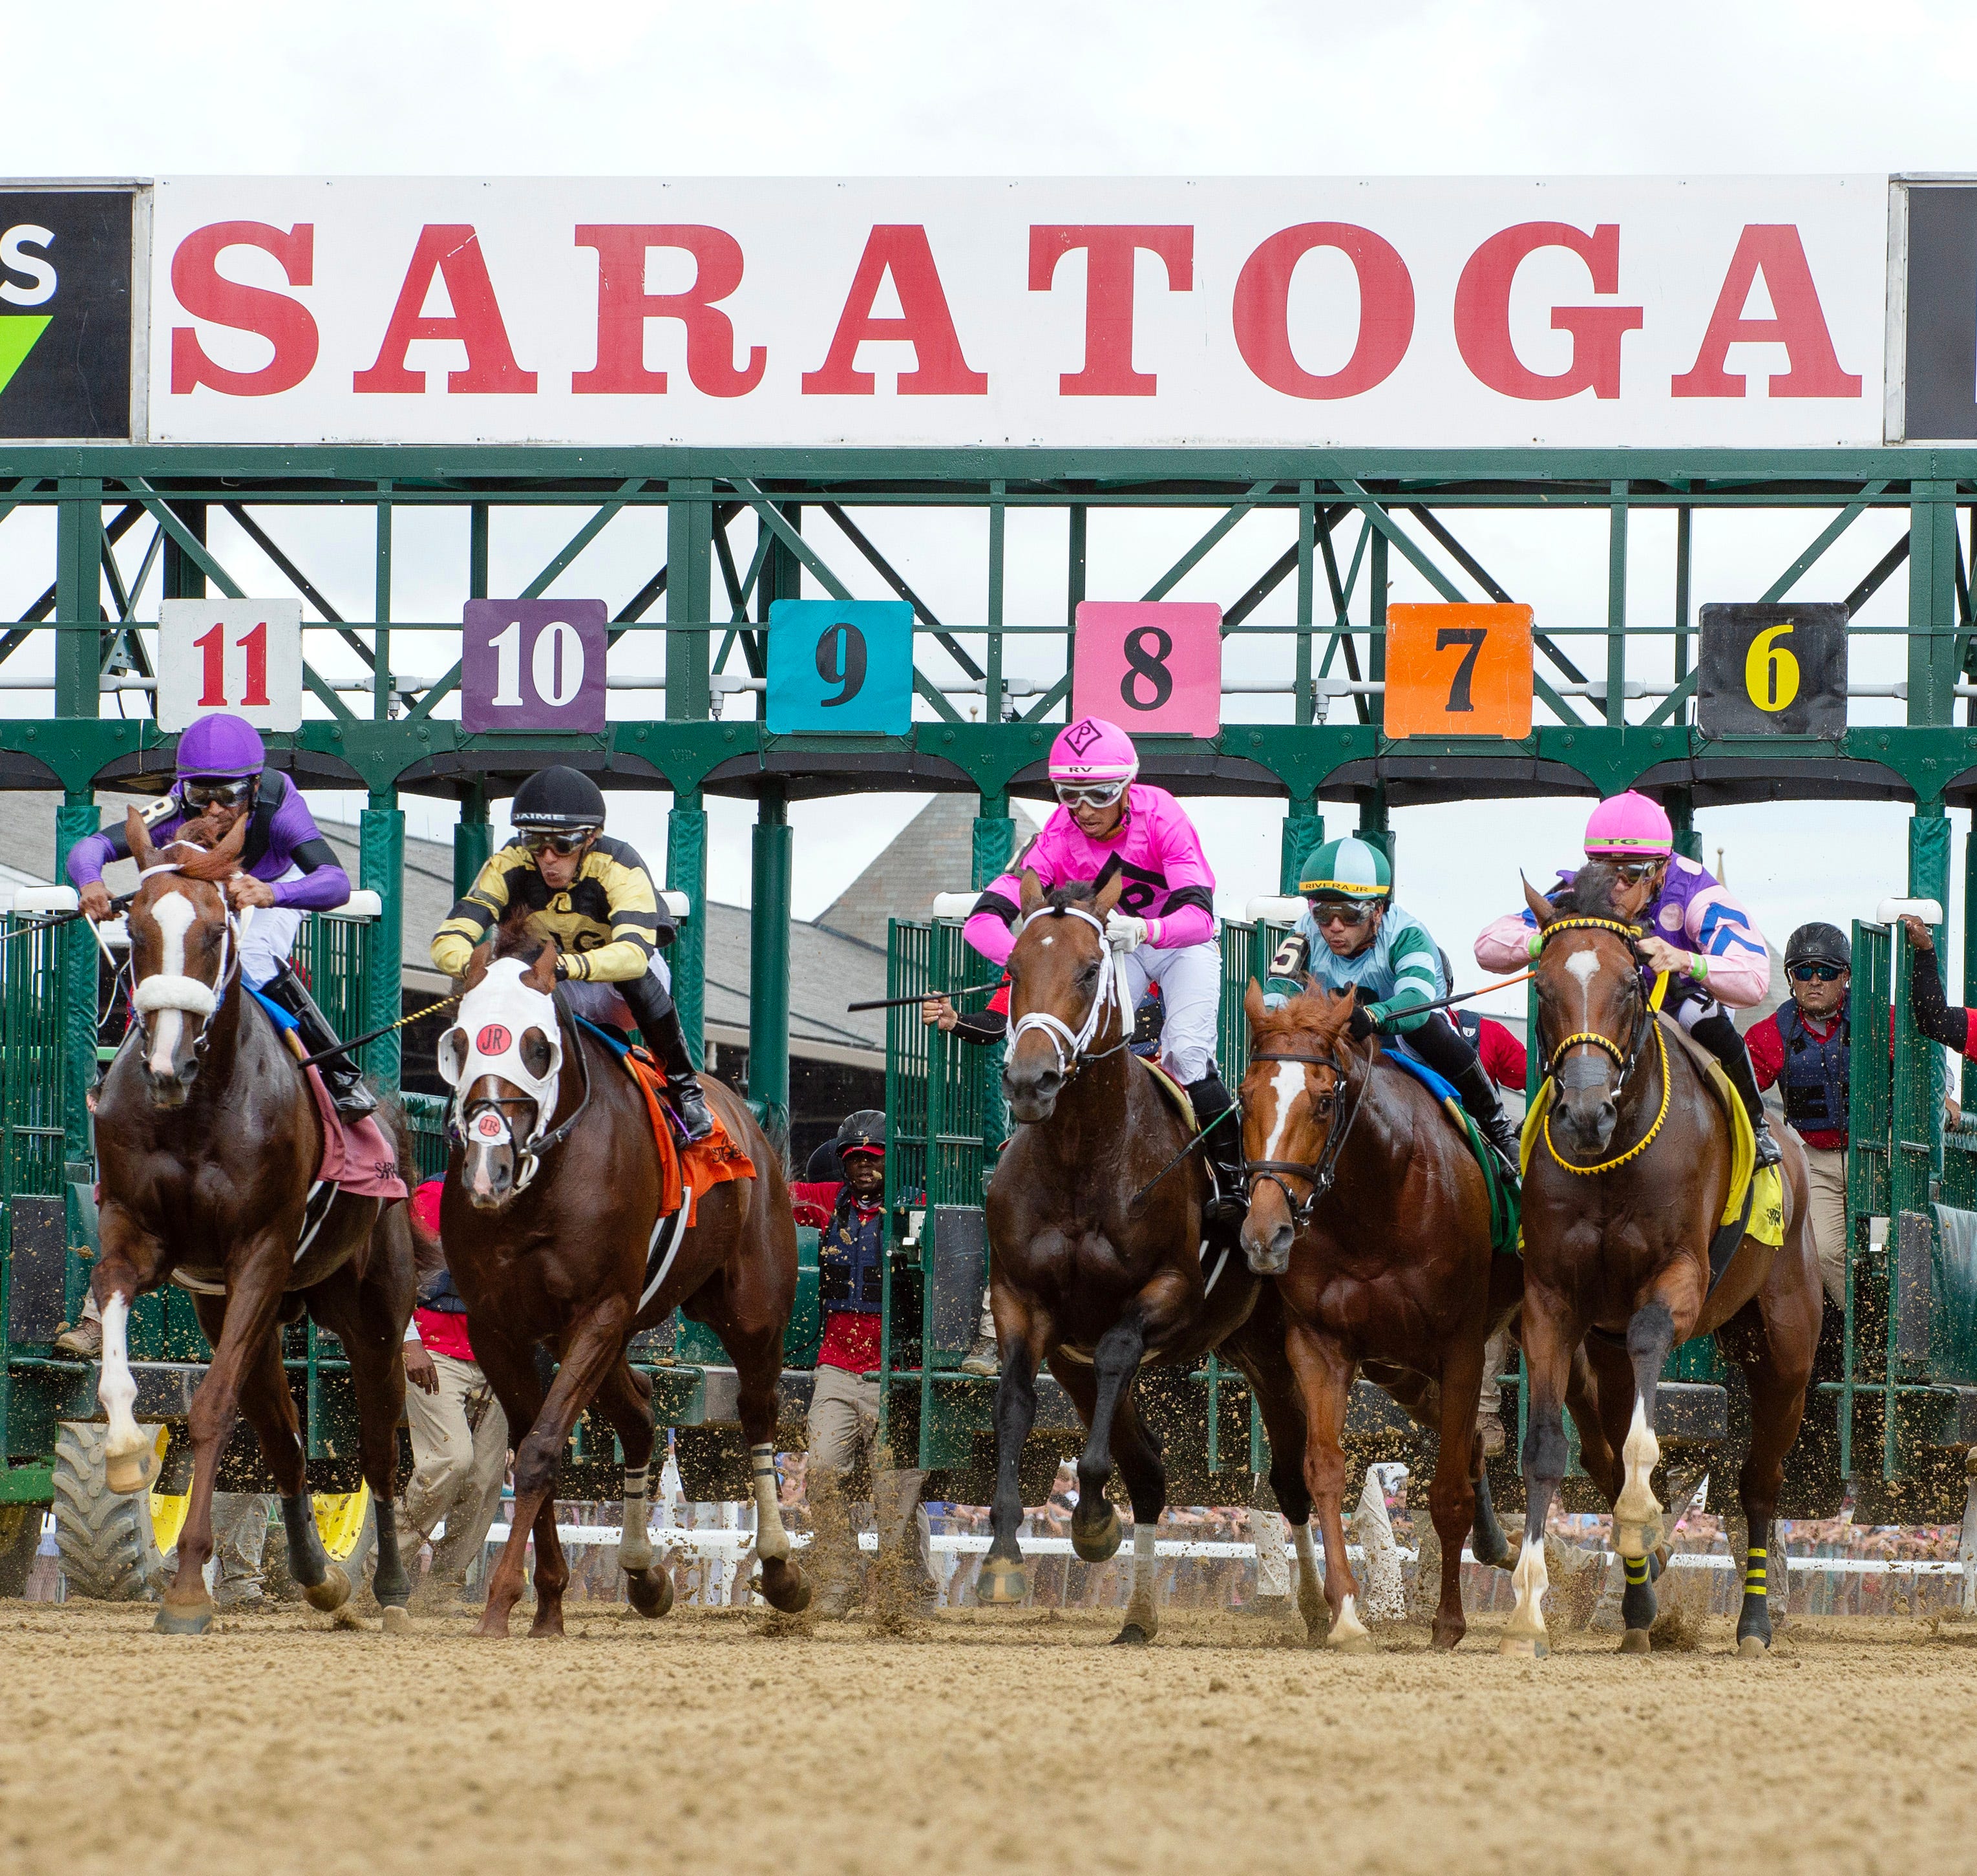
x: 1624, y: 1193
x: 1373, y: 1215
x: 208, y: 1141
x: 556, y: 1236
x: 1097, y: 1255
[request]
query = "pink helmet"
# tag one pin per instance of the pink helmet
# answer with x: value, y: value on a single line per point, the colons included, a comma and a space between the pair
x: 1092, y: 749
x: 1629, y: 825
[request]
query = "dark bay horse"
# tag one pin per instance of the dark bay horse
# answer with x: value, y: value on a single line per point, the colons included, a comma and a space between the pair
x: 555, y: 1234
x: 1626, y: 1186
x: 1084, y: 1278
x: 1370, y: 1210
x: 207, y: 1141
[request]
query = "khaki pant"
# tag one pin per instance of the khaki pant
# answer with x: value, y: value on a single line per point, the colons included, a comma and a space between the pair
x: 1826, y: 1178
x: 843, y: 1428
x: 457, y: 1468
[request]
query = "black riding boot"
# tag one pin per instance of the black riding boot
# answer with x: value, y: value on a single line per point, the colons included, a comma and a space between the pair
x: 344, y: 1080
x: 1223, y: 1147
x: 1451, y: 1055
x: 1718, y: 1035
x: 652, y: 1010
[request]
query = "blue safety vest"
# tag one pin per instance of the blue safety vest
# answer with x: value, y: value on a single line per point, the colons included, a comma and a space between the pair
x: 437, y: 1293
x: 851, y: 1260
x: 1815, y: 1077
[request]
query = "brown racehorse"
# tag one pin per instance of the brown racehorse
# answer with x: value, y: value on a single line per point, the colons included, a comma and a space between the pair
x: 1625, y: 1191
x: 208, y: 1140
x: 1096, y: 1280
x: 554, y: 1234
x: 1371, y: 1211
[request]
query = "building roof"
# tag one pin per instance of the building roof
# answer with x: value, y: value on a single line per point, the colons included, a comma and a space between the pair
x: 934, y: 852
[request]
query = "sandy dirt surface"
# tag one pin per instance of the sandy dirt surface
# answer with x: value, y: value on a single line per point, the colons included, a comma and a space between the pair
x: 280, y: 1744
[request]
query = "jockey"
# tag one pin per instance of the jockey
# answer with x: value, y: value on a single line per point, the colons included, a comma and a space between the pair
x: 592, y: 895
x: 287, y: 868
x: 1352, y: 937
x: 1728, y: 964
x: 1107, y: 824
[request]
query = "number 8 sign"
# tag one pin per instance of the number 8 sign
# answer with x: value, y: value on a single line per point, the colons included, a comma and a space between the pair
x: 532, y: 664
x: 1458, y: 670
x: 1150, y: 666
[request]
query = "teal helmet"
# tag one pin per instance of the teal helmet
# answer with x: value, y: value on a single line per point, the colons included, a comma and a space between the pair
x: 1352, y: 869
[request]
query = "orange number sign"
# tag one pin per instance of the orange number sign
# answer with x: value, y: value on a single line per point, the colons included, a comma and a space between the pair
x: 1458, y: 670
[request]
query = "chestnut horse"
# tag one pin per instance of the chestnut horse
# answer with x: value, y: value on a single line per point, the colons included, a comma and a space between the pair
x: 208, y: 1140
x: 1097, y: 1274
x: 1369, y: 1209
x: 1626, y: 1186
x: 554, y: 1236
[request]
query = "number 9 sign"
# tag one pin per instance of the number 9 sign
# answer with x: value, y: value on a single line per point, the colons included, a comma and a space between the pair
x: 532, y: 664
x: 1772, y: 669
x: 841, y: 665
x: 1150, y: 666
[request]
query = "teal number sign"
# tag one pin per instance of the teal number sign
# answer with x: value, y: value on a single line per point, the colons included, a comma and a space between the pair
x: 841, y: 665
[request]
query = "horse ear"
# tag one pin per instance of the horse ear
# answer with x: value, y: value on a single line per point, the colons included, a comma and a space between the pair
x: 541, y: 975
x: 222, y: 861
x: 1253, y: 1006
x: 476, y: 965
x: 1108, y: 896
x: 1033, y: 895
x: 139, y: 837
x: 1542, y: 909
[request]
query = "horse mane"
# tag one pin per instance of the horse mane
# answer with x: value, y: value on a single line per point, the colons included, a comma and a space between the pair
x: 1072, y: 893
x: 1592, y: 890
x: 1312, y: 1012
x: 511, y: 939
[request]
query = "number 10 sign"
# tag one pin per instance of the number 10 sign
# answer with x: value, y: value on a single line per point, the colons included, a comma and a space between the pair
x: 532, y: 664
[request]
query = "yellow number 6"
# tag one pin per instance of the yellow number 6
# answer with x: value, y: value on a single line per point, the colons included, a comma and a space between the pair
x: 1771, y: 672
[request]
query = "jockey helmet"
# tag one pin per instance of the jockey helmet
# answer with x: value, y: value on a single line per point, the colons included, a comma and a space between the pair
x: 1819, y: 943
x: 1092, y: 751
x: 220, y: 744
x: 557, y: 800
x: 863, y: 1131
x: 1628, y: 826
x: 1352, y: 869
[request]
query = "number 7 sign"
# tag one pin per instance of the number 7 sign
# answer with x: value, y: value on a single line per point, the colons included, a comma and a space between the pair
x: 243, y: 656
x: 1458, y: 670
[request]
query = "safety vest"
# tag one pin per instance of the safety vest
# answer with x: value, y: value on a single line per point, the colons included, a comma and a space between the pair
x: 437, y: 1293
x: 1815, y: 1076
x: 851, y: 1260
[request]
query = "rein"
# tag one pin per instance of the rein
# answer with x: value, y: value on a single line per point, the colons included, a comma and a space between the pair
x: 1322, y: 1173
x: 1070, y: 1045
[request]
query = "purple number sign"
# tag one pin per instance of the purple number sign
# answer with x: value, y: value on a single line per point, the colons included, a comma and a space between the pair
x: 532, y: 664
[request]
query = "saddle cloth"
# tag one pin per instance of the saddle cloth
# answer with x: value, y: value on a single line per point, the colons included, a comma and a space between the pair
x: 1175, y: 1093
x: 1503, y: 1195
x: 356, y: 1156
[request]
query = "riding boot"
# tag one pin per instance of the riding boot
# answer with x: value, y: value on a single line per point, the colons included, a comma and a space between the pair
x: 1223, y: 1145
x: 1481, y: 1103
x: 344, y: 1080
x: 1718, y: 1035
x: 658, y: 1023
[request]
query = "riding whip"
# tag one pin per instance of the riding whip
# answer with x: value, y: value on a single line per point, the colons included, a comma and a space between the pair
x: 357, y: 1042
x: 1443, y: 1003
x: 901, y: 1003
x: 1233, y: 1112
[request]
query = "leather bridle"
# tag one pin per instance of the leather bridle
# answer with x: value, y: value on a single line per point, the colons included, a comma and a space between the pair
x: 1322, y: 1172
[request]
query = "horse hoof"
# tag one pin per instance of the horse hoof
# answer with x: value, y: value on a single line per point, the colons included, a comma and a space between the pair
x: 650, y: 1592
x: 331, y: 1593
x: 190, y: 1621
x: 1360, y: 1643
x: 1131, y: 1636
x: 1002, y: 1583
x: 1523, y: 1647
x: 1100, y: 1545
x: 1634, y: 1541
x: 1752, y: 1647
x: 1635, y: 1641
x: 397, y: 1619
x: 785, y: 1587
x: 128, y: 1473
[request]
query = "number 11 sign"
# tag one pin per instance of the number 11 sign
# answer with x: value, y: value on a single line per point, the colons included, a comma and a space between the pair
x: 243, y: 656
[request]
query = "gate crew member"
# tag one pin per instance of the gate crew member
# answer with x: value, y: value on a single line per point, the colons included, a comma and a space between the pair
x: 1805, y: 1047
x: 287, y: 868
x: 1950, y: 1024
x: 844, y: 1404
x: 1351, y: 937
x: 1106, y: 824
x: 1727, y: 963
x: 592, y: 895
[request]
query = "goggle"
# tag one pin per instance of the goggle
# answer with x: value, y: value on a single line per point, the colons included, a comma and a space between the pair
x: 1350, y: 913
x: 1825, y: 973
x: 1089, y: 794
x: 226, y: 791
x: 562, y: 845
x: 1634, y: 872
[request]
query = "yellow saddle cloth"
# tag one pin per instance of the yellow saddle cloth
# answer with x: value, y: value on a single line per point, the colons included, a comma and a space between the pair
x: 1172, y: 1090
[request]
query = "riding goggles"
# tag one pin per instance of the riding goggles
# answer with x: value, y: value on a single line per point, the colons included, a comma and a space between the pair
x: 1089, y: 794
x: 1350, y: 913
x: 225, y: 791
x: 1825, y: 973
x: 563, y: 845
x: 1634, y: 872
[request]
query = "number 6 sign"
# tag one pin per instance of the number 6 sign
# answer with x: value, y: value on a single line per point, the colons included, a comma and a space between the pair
x: 1458, y: 670
x: 1771, y: 670
x: 1152, y: 666
x: 243, y: 656
x: 532, y: 664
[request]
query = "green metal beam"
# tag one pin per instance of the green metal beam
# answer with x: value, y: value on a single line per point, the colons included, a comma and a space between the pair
x: 1827, y: 535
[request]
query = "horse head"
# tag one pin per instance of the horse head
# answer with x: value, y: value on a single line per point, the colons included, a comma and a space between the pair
x: 1062, y: 982
x: 502, y: 1059
x: 179, y: 925
x: 1590, y: 1005
x: 1299, y: 1066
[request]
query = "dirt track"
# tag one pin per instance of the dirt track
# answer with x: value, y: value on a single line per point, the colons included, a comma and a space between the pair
x: 976, y: 1743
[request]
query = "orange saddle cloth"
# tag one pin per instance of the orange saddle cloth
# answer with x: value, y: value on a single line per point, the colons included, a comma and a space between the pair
x: 685, y: 1172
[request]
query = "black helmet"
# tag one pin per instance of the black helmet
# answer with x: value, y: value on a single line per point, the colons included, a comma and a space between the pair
x: 555, y: 801
x: 864, y: 1129
x: 1819, y: 943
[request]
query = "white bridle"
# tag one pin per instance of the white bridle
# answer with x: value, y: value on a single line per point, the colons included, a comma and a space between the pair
x: 172, y: 991
x: 1068, y: 1044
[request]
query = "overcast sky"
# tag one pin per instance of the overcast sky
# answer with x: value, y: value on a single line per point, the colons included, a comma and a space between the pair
x: 1016, y: 88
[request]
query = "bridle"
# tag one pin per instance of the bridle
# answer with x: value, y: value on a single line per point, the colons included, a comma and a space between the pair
x: 530, y: 1153
x: 1624, y: 1060
x: 191, y: 996
x: 1321, y: 1173
x: 1070, y: 1045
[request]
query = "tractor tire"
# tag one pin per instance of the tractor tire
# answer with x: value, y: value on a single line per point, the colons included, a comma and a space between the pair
x: 348, y: 1524
x: 20, y: 1541
x: 108, y: 1551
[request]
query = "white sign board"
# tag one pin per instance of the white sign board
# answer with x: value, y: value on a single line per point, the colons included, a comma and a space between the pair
x: 1428, y: 312
x: 243, y: 656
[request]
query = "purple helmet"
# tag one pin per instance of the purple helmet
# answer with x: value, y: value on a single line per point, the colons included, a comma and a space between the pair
x: 221, y: 744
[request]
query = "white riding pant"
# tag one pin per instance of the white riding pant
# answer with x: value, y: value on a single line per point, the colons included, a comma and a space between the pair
x: 270, y: 937
x: 1190, y: 980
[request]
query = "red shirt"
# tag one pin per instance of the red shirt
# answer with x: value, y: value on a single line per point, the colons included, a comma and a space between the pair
x: 1765, y: 1042
x: 1502, y: 1055
x: 851, y: 1336
x: 443, y: 1331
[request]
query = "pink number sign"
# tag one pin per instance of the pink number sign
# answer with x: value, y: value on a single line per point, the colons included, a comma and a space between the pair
x: 1150, y: 664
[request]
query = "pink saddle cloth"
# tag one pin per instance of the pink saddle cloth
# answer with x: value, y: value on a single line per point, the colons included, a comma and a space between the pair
x: 356, y: 1155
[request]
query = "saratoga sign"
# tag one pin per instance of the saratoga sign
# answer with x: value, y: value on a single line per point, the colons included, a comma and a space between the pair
x: 1740, y: 312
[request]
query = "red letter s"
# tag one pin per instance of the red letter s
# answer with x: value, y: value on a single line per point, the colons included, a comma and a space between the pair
x: 203, y: 293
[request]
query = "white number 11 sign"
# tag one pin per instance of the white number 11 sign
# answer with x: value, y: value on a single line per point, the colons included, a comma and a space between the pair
x: 243, y: 656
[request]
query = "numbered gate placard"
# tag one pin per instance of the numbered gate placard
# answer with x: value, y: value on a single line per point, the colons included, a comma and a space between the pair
x: 1148, y: 665
x: 840, y: 664
x: 243, y: 656
x: 1458, y: 670
x: 1772, y: 670
x: 532, y: 664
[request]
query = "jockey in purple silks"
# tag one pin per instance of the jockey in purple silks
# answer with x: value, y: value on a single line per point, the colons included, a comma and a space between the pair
x: 287, y: 868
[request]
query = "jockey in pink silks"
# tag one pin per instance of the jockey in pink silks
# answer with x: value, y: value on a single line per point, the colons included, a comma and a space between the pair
x: 1107, y: 824
x: 1716, y: 956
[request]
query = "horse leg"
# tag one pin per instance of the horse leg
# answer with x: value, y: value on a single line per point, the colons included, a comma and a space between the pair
x: 1775, y: 1352
x: 1325, y: 1377
x: 1485, y: 1534
x: 1452, y: 1501
x: 1261, y: 1358
x: 511, y: 1372
x: 1146, y: 1479
x: 1637, y: 1512
x: 130, y: 1461
x: 1021, y: 1333
x: 758, y: 1368
x: 1094, y: 1524
x: 625, y: 1397
x: 1548, y: 1346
